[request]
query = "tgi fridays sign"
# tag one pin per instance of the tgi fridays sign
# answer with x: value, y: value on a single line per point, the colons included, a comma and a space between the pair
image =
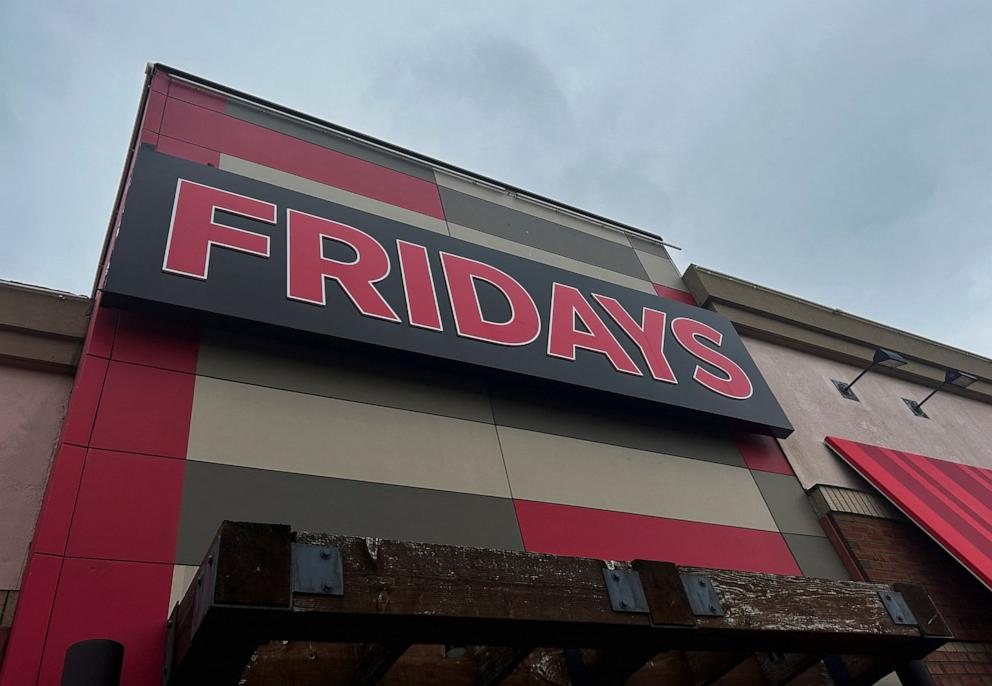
x: 197, y: 237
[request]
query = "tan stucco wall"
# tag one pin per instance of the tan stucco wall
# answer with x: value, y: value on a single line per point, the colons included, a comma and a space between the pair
x: 959, y: 429
x: 32, y: 405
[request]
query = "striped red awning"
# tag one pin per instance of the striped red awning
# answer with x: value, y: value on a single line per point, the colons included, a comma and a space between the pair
x: 951, y: 502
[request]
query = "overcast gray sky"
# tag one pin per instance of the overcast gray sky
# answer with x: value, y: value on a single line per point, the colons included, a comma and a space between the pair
x: 839, y: 151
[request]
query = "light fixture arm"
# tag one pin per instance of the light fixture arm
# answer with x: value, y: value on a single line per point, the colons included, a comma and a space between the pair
x: 864, y: 371
x: 934, y: 391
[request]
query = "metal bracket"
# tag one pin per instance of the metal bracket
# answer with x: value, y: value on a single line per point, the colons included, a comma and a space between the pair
x: 915, y: 408
x: 317, y: 569
x: 898, y: 609
x: 626, y: 591
x: 702, y: 596
x: 845, y: 390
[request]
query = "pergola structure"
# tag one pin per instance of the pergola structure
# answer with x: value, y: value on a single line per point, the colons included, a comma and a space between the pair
x: 272, y: 607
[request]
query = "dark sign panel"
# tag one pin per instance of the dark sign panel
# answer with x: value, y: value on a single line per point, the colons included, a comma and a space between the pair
x: 196, y: 237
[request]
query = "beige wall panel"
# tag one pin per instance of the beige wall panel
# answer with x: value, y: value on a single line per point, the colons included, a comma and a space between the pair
x: 254, y: 426
x: 334, y: 373
x: 330, y: 193
x: 661, y: 270
x: 570, y: 471
x: 513, y: 202
x: 538, y: 255
x: 182, y: 577
x: 959, y: 429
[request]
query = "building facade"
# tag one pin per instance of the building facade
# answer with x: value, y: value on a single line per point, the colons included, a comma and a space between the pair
x: 802, y: 348
x: 298, y: 324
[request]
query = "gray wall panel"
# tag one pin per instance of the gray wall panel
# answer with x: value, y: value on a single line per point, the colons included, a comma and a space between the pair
x: 326, y: 139
x: 593, y: 420
x: 346, y: 375
x: 527, y: 229
x: 213, y: 493
x: 788, y: 503
x: 649, y: 247
x: 816, y: 556
x: 547, y: 257
x: 661, y: 270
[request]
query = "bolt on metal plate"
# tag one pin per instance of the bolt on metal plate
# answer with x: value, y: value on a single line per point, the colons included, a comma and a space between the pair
x: 702, y: 596
x: 317, y: 569
x: 626, y: 591
x: 898, y: 609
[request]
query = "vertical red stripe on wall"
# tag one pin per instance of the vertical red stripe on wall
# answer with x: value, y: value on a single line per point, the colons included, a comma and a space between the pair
x: 607, y: 535
x: 102, y: 329
x: 114, y: 515
x: 52, y: 531
x: 84, y: 399
x: 23, y: 657
x: 122, y: 601
x: 144, y: 410
x: 155, y: 343
x: 127, y: 508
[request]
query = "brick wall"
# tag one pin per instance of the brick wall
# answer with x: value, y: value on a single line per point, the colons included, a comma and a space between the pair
x: 892, y: 551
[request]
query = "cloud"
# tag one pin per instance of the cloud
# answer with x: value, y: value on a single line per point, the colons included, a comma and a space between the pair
x: 841, y: 152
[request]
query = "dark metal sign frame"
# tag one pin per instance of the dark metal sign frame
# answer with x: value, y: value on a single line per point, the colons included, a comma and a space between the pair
x: 217, y: 243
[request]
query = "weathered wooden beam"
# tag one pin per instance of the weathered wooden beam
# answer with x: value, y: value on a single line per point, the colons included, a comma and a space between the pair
x: 420, y: 593
x: 375, y: 659
x: 496, y: 663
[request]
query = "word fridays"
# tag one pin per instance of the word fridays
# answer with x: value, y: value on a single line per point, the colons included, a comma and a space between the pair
x: 194, y: 230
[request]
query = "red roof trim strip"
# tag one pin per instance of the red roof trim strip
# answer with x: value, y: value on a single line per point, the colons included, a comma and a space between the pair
x: 949, y: 501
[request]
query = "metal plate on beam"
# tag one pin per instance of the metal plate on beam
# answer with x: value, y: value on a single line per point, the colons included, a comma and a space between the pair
x: 702, y: 595
x: 897, y: 607
x: 317, y: 569
x: 626, y: 591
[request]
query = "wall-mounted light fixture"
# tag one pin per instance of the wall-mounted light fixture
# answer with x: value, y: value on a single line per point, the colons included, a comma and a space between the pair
x: 951, y: 378
x: 882, y: 358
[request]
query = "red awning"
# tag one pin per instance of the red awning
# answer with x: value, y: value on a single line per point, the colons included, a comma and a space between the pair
x: 951, y: 502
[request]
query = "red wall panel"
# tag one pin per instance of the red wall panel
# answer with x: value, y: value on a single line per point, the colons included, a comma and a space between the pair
x: 162, y: 343
x: 23, y: 658
x: 188, y: 151
x: 55, y: 517
x: 123, y: 601
x: 84, y: 400
x: 144, y: 410
x: 763, y: 454
x: 586, y: 532
x: 127, y: 508
x: 674, y: 294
